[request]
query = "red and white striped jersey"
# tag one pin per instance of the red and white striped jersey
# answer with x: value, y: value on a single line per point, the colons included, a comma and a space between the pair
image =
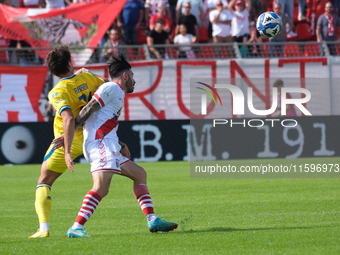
x: 104, y: 122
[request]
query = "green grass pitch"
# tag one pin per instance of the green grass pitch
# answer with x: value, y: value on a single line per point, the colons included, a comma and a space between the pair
x: 215, y: 216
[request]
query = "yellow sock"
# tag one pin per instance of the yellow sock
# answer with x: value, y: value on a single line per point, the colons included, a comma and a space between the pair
x: 43, y: 202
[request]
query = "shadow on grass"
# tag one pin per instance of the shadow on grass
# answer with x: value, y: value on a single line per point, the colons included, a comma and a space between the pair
x: 221, y: 229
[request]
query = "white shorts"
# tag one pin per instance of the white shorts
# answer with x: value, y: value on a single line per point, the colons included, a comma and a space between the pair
x: 103, y: 155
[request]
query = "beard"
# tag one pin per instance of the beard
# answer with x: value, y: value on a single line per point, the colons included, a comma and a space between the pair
x: 129, y: 85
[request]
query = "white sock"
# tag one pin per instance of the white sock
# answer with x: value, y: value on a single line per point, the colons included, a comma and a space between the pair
x: 76, y: 225
x: 151, y: 217
x: 44, y: 226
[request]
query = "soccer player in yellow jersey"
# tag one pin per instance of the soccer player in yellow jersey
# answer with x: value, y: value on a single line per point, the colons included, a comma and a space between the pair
x: 72, y: 92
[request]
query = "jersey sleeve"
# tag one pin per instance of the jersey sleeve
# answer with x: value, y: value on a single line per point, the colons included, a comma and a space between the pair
x: 60, y: 100
x: 106, y: 93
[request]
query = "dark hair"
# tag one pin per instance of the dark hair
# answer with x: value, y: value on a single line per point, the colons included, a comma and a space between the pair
x: 278, y: 83
x: 58, y: 59
x: 112, y: 28
x: 117, y: 65
x: 160, y: 20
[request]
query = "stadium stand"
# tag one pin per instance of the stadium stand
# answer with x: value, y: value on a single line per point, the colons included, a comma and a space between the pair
x: 303, y: 45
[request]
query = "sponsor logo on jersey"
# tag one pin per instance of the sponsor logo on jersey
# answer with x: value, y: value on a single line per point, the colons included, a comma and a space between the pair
x: 54, y: 95
x: 108, y: 92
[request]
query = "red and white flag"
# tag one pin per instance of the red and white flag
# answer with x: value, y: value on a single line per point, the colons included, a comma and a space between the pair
x: 20, y: 90
x: 79, y: 25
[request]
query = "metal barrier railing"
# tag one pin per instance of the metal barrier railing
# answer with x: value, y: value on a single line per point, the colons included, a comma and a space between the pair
x: 93, y: 55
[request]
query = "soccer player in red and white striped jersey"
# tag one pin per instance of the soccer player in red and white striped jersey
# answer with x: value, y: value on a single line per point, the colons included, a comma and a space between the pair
x: 106, y: 154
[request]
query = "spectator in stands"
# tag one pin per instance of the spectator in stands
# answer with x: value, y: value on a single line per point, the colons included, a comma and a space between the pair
x: 42, y: 4
x: 110, y: 47
x: 27, y: 57
x: 6, y: 2
x: 4, y: 43
x: 184, y: 38
x: 302, y: 4
x: 290, y: 108
x: 70, y: 2
x: 11, y: 54
x: 28, y: 3
x: 208, y: 6
x: 287, y: 7
x: 173, y: 4
x: 221, y: 21
x: 160, y: 14
x: 130, y: 19
x: 315, y: 10
x: 240, y: 19
x: 52, y: 4
x: 196, y: 9
x: 255, y: 38
x: 327, y: 27
x: 336, y: 6
x: 189, y: 21
x: 211, y: 4
x: 256, y: 9
x: 282, y: 37
x: 158, y: 36
x: 151, y: 9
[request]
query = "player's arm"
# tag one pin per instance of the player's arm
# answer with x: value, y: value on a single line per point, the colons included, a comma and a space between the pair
x: 125, y: 150
x: 85, y: 113
x: 69, y: 131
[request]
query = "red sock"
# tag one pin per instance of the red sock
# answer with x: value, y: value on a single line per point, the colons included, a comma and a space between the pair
x: 142, y: 194
x: 90, y: 203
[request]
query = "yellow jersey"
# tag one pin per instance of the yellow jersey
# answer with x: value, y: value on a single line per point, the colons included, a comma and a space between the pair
x: 72, y: 93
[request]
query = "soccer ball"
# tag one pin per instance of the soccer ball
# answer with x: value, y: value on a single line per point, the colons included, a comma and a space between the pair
x: 269, y: 24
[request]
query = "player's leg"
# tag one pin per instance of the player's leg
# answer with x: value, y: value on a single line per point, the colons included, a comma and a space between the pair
x: 43, y: 201
x: 52, y: 167
x: 140, y: 189
x: 101, y: 185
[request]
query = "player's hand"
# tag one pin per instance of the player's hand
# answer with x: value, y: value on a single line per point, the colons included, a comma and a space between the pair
x: 69, y: 161
x: 58, y: 142
x: 125, y: 151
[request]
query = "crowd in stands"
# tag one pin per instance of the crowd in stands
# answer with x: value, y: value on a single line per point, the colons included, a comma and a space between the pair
x: 185, y: 22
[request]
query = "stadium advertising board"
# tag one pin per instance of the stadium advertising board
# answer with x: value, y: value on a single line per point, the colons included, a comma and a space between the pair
x: 200, y: 142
